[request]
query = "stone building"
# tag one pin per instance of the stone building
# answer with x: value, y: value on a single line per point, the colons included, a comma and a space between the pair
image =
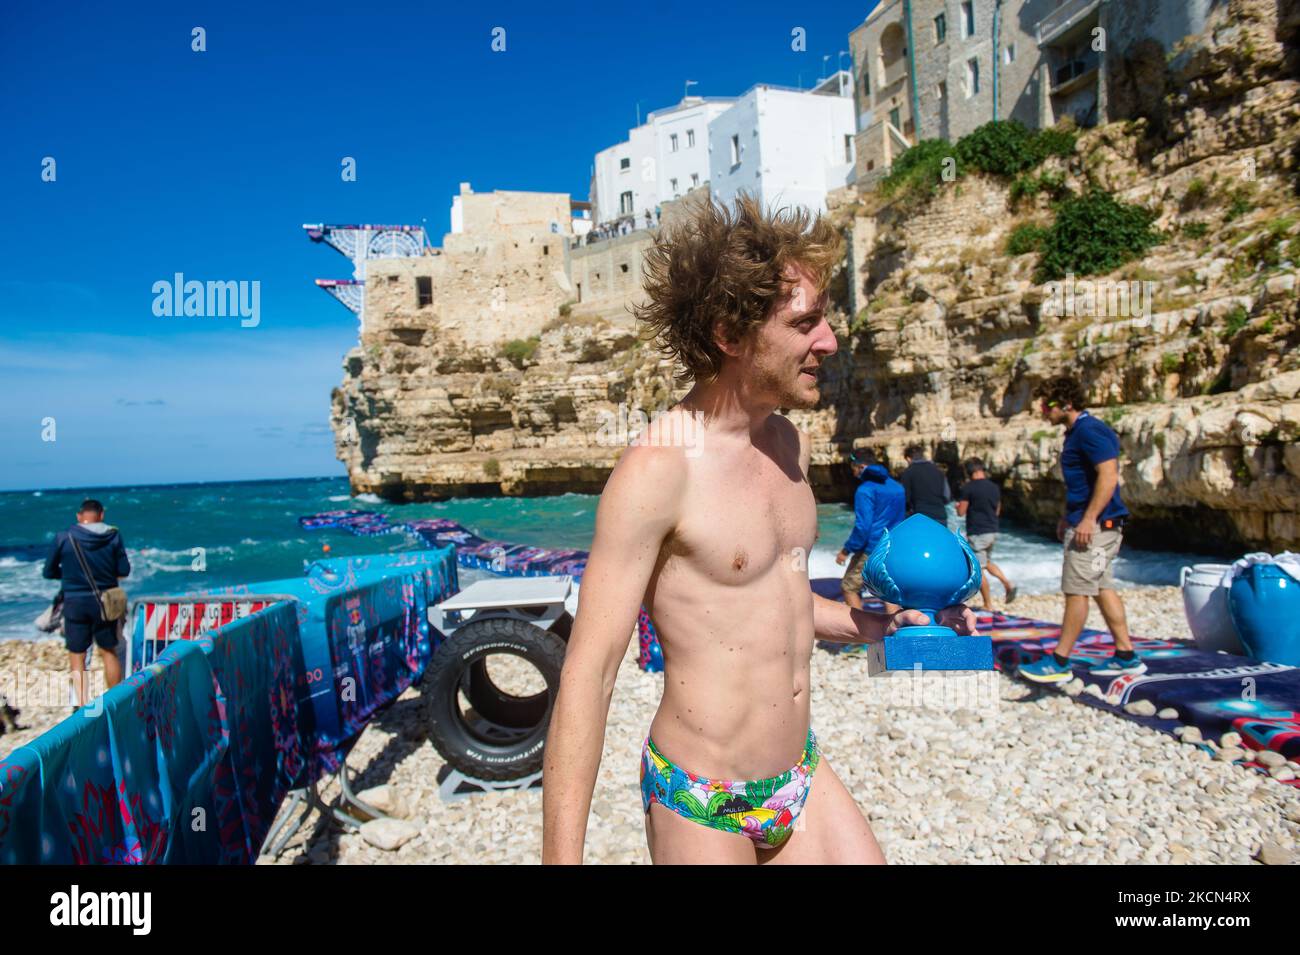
x: 937, y: 69
x: 500, y: 273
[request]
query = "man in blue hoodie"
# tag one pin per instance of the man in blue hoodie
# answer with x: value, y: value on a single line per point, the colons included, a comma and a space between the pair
x: 105, y: 557
x: 879, y: 504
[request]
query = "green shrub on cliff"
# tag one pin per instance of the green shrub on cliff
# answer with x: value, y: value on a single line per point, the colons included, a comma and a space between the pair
x: 918, y: 172
x: 1008, y: 147
x: 1094, y: 233
x: 519, y: 350
x: 1025, y: 238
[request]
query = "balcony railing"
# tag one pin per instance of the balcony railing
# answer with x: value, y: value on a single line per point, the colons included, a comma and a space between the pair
x: 1063, y: 17
x: 1065, y: 73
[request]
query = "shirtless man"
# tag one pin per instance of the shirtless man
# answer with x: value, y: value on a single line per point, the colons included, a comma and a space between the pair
x: 708, y: 519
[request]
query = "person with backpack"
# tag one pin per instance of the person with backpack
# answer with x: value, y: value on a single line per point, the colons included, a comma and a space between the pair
x: 90, y: 558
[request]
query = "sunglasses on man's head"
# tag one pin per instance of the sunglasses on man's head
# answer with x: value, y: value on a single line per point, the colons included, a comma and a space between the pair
x: 1050, y: 404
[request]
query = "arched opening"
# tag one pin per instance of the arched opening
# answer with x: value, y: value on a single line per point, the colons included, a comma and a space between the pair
x: 893, y: 55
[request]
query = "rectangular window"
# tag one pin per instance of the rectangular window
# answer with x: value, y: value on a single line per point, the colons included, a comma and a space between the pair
x: 894, y: 119
x: 940, y: 28
x: 735, y: 150
x: 848, y: 148
x: 690, y: 138
x: 972, y: 77
x: 625, y: 203
x: 695, y: 179
x: 423, y: 290
x: 968, y: 18
x: 866, y: 82
x: 672, y: 143
x: 1009, y: 56
x: 673, y: 184
x: 941, y: 91
x: 625, y: 163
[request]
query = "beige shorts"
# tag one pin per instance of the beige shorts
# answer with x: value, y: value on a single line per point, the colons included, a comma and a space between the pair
x: 982, y: 545
x: 851, y: 582
x: 1085, y: 572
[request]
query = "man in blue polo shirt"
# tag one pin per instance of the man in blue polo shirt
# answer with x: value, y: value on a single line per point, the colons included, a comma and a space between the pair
x: 1091, y: 529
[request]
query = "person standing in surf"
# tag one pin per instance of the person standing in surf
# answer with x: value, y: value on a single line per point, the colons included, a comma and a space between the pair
x: 981, y: 505
x: 714, y: 538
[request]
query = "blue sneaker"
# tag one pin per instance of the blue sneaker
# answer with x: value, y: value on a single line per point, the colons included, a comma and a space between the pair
x: 1046, y: 670
x: 1117, y: 667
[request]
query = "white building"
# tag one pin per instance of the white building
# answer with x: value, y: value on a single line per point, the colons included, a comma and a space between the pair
x: 662, y: 159
x: 785, y: 146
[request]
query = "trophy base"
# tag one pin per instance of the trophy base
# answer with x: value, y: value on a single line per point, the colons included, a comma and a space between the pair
x: 928, y: 649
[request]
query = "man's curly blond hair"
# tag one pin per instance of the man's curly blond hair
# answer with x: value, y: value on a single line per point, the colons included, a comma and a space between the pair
x: 719, y: 270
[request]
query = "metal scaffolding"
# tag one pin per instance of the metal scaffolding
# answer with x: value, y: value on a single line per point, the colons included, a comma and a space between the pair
x: 360, y: 243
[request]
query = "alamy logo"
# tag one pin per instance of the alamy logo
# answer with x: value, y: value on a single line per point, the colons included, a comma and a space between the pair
x: 1100, y: 298
x: 102, y: 908
x: 208, y: 299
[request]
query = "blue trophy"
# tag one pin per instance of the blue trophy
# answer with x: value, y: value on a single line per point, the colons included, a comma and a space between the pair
x: 921, y: 565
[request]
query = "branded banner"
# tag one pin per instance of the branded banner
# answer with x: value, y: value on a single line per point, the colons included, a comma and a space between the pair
x: 186, y: 761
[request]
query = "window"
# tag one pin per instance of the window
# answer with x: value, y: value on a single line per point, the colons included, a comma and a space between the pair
x: 672, y: 143
x: 625, y: 203
x: 625, y: 163
x: 848, y: 148
x: 968, y: 18
x: 546, y: 250
x: 690, y: 138
x: 735, y: 150
x: 972, y: 77
x: 695, y: 179
x: 579, y: 291
x: 423, y: 290
x: 1009, y: 55
x: 940, y: 28
x: 941, y: 91
x: 673, y: 184
x: 866, y: 82
x: 622, y: 267
x: 894, y: 119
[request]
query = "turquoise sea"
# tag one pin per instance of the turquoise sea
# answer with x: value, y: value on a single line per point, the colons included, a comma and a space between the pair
x: 249, y: 531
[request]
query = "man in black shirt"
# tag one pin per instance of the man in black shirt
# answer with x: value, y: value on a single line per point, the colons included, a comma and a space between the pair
x: 981, y: 505
x: 926, y: 486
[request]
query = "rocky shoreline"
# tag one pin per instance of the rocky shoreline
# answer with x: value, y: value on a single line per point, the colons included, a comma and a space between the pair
x: 1018, y: 780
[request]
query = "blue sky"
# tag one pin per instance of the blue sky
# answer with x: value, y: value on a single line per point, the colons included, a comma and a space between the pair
x: 168, y: 160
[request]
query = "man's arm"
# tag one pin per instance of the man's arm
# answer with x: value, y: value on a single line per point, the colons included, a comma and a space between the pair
x: 53, y: 569
x: 123, y: 563
x: 863, y: 514
x: 638, y: 510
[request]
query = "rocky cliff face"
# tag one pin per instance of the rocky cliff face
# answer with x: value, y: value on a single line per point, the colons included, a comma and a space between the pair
x: 943, y: 335
x: 1194, y: 363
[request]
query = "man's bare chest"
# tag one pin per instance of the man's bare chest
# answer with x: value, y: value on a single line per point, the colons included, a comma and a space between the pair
x: 735, y: 532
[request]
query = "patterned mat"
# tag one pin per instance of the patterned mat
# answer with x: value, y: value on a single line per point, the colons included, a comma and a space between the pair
x: 1215, y: 692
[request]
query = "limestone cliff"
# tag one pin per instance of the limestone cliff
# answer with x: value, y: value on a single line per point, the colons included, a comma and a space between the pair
x: 503, y: 385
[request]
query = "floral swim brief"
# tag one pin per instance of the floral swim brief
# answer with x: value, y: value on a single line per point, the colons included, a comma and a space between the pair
x: 764, y: 809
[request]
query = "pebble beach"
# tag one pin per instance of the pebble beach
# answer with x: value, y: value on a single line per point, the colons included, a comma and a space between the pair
x: 1005, y: 776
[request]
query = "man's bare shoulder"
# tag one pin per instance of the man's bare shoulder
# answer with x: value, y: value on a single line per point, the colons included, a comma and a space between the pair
x: 648, y: 472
